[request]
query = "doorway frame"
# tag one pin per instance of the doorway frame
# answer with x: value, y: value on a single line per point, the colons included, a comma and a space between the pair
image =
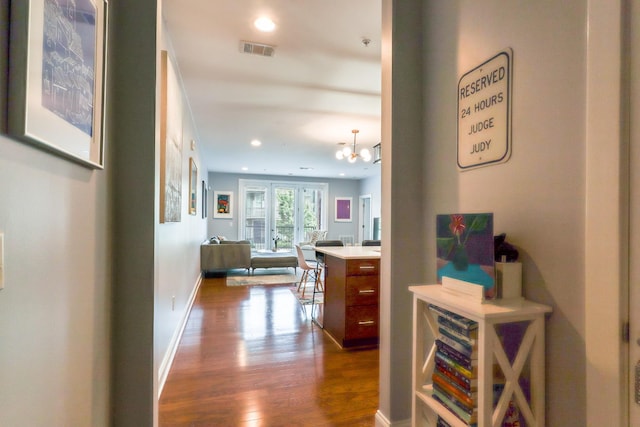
x: 606, y: 260
x: 362, y: 217
x: 633, y: 284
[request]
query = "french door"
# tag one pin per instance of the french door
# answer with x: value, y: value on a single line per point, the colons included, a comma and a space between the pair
x: 277, y: 215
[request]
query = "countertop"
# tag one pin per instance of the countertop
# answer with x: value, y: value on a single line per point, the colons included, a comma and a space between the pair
x: 351, y: 252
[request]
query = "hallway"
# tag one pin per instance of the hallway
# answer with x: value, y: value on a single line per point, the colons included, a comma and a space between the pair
x: 250, y: 356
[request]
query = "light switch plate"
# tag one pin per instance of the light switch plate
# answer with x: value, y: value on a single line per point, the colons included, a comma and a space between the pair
x: 1, y: 261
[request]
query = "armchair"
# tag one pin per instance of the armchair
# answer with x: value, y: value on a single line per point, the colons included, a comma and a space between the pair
x: 313, y: 236
x: 308, y: 246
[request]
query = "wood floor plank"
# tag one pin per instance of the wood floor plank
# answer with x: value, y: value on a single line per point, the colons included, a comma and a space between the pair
x: 250, y: 356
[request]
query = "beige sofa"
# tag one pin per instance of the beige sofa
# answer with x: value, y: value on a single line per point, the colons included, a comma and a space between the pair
x: 221, y: 255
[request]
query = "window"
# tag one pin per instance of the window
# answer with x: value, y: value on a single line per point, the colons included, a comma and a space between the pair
x: 285, y: 211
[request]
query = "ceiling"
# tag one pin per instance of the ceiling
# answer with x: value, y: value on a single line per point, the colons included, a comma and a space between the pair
x: 322, y: 82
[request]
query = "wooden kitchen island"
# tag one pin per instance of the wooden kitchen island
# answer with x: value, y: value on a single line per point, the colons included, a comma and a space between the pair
x: 352, y: 289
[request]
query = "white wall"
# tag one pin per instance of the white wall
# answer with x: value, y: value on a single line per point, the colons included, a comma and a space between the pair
x: 178, y: 245
x: 217, y: 226
x: 404, y: 260
x: 537, y: 197
x: 133, y: 131
x: 373, y: 186
x: 55, y: 308
x: 607, y: 210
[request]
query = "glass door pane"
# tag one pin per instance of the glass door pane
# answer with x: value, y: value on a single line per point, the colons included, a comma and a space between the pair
x: 284, y: 218
x: 255, y: 217
x: 313, y: 206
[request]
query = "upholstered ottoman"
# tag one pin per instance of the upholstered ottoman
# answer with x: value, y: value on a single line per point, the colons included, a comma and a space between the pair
x: 273, y: 260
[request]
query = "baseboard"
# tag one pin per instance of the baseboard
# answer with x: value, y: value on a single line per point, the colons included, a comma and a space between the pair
x: 167, y: 361
x: 382, y: 421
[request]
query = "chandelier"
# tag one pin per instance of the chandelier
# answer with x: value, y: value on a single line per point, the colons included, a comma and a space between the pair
x: 351, y: 154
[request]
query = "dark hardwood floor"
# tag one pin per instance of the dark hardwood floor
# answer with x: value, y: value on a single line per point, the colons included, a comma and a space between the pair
x: 250, y: 356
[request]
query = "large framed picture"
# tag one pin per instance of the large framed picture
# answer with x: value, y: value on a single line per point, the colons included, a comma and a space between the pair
x: 170, y: 142
x: 343, y: 209
x: 223, y: 204
x: 57, y: 77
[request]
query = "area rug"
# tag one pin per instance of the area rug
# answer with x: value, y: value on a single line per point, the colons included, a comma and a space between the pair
x: 266, y: 279
x: 308, y: 294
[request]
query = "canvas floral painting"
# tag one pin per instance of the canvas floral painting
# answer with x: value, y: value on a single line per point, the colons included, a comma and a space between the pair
x: 465, y: 249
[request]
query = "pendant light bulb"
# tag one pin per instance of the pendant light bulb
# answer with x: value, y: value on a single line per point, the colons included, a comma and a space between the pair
x: 351, y: 154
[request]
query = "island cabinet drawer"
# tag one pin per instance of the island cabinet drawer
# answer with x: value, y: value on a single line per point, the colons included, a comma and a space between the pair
x: 362, y: 290
x: 361, y: 322
x: 360, y: 267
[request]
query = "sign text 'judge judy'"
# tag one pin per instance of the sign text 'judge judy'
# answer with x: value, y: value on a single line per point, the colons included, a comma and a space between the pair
x: 484, y: 113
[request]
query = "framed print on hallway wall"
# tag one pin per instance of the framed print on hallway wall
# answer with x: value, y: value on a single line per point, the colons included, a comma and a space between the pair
x: 170, y: 142
x: 193, y: 186
x: 57, y: 77
x: 204, y: 199
x: 343, y: 209
x: 223, y: 204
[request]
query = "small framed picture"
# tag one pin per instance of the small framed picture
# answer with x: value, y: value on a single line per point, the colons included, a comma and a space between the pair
x: 223, y: 204
x: 343, y: 209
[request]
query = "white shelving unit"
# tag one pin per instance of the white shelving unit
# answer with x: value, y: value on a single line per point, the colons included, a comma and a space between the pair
x: 489, y: 316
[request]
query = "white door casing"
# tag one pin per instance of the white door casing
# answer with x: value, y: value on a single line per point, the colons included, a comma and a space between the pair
x: 634, y: 218
x: 364, y: 218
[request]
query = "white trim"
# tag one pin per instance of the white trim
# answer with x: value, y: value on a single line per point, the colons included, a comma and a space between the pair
x: 382, y: 421
x: 632, y: 310
x: 361, y: 213
x: 606, y: 215
x: 167, y: 361
x: 387, y: 381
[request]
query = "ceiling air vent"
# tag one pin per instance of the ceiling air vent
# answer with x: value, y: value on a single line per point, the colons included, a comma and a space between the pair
x: 256, y: 48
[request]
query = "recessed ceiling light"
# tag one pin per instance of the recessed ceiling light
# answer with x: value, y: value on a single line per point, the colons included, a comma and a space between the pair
x: 256, y: 142
x: 244, y: 168
x: 341, y: 173
x: 264, y: 24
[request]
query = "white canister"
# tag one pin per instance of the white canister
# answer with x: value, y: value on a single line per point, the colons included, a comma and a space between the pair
x: 509, y: 280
